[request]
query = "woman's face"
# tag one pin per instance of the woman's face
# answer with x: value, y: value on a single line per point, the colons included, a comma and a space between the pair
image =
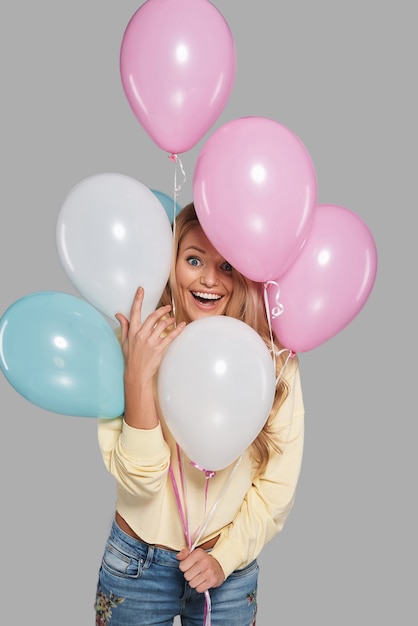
x: 204, y: 277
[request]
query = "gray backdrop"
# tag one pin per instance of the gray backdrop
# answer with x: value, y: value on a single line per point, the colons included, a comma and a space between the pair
x: 342, y: 76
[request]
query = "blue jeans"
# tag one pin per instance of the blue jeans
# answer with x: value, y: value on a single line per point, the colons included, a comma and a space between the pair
x: 140, y: 585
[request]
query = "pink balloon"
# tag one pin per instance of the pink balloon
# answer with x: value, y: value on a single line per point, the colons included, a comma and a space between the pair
x: 255, y: 190
x: 329, y: 282
x: 177, y: 64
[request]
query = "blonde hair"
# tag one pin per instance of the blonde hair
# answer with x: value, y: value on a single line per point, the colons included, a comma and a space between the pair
x: 247, y: 305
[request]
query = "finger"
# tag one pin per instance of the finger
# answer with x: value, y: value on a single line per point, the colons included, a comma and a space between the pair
x: 184, y: 553
x: 190, y: 562
x: 136, y: 307
x: 157, y: 316
x: 203, y: 586
x: 124, y: 325
x: 167, y: 339
x: 199, y: 583
x: 192, y: 573
x: 162, y: 324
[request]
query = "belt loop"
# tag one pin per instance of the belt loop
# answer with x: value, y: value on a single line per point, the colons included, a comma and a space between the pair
x: 150, y: 556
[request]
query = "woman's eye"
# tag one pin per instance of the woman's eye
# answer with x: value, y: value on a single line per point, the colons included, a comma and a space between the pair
x: 193, y: 260
x: 227, y: 267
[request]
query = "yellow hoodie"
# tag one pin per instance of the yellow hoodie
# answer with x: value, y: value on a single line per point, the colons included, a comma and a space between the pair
x: 250, y: 508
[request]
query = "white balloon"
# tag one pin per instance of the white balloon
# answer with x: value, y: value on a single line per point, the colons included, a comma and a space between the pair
x: 216, y: 387
x: 113, y: 235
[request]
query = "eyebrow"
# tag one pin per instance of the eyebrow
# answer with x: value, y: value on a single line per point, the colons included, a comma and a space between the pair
x: 202, y: 251
x: 195, y: 248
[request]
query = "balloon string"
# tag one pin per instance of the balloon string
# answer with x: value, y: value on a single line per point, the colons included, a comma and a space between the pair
x: 272, y: 313
x: 208, y: 474
x: 216, y: 504
x: 278, y: 308
x: 184, y: 516
x: 208, y: 608
x: 207, y: 614
x: 182, y: 511
x: 177, y: 186
x: 267, y: 308
x: 289, y: 356
x: 176, y: 192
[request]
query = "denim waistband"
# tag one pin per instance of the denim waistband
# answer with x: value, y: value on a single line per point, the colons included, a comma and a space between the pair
x: 119, y: 535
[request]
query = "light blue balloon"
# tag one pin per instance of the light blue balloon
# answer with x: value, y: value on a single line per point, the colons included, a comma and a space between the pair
x: 60, y: 353
x: 168, y: 204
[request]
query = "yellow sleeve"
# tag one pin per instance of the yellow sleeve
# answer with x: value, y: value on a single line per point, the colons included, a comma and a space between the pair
x: 271, y: 495
x: 138, y: 459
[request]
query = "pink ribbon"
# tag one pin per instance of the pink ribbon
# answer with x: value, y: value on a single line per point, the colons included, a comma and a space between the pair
x: 183, y: 516
x: 182, y: 512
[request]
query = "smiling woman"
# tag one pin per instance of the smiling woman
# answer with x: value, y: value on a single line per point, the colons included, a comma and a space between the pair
x: 172, y: 571
x: 202, y: 281
x: 204, y: 277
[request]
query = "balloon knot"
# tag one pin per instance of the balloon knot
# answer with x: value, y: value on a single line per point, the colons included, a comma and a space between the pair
x: 277, y: 310
x: 208, y: 473
x: 172, y: 157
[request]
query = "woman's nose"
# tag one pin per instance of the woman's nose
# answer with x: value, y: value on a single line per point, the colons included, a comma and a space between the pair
x: 209, y: 277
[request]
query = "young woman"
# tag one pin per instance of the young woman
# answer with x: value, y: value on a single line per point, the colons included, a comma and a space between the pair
x: 148, y: 573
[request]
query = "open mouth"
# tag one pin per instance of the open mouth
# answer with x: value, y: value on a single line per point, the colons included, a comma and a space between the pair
x: 206, y: 298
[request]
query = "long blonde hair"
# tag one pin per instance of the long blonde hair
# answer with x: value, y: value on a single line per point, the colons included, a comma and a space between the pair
x: 247, y: 305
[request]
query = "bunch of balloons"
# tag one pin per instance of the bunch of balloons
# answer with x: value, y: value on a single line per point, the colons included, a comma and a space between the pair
x: 255, y: 193
x: 254, y: 184
x: 59, y: 351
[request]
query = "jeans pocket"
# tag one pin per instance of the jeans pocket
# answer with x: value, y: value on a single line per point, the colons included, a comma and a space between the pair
x: 251, y: 568
x: 120, y: 562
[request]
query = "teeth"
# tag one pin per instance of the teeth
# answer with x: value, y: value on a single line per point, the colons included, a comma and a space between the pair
x: 206, y: 296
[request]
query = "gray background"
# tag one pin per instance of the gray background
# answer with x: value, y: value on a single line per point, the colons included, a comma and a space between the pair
x: 342, y: 76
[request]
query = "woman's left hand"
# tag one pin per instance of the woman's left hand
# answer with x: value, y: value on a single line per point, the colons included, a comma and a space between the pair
x: 201, y: 570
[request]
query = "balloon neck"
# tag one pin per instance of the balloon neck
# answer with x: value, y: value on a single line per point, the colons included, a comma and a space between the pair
x: 208, y: 473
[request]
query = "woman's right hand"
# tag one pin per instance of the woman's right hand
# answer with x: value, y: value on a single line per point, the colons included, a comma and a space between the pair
x: 143, y: 347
